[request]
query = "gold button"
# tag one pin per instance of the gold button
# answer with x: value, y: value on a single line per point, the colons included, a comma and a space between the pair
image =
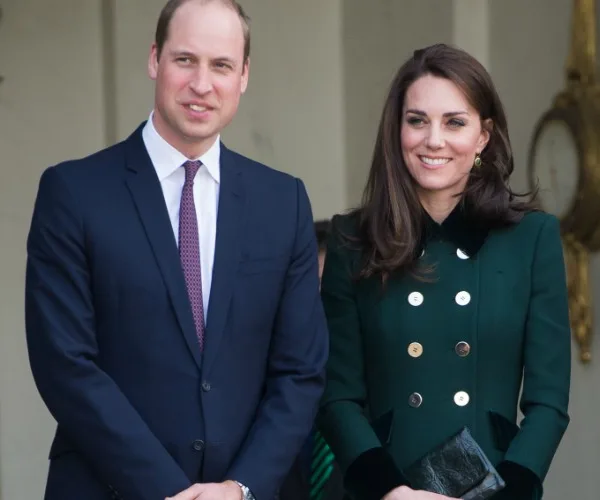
x: 415, y: 350
x: 461, y: 398
x: 415, y: 400
x: 462, y: 349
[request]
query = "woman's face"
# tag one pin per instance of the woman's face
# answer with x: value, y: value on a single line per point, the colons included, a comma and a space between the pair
x: 441, y: 133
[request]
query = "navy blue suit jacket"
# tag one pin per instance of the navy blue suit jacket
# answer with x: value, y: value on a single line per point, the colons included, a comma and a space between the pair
x: 142, y: 413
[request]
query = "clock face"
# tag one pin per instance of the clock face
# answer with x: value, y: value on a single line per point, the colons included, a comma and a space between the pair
x: 555, y: 163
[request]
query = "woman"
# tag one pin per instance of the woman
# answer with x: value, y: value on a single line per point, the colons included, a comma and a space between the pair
x: 444, y: 292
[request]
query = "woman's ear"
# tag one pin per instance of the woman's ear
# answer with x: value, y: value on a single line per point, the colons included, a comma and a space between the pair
x: 487, y: 126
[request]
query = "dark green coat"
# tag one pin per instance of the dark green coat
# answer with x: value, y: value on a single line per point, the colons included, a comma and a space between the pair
x: 427, y: 358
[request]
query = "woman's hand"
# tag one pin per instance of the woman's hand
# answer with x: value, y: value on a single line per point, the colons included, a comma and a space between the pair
x: 406, y: 493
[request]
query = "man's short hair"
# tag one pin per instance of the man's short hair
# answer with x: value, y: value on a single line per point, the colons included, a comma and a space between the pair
x: 168, y: 11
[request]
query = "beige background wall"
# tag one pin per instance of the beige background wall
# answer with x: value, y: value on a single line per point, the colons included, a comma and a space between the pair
x: 50, y: 108
x: 527, y: 66
x: 319, y: 74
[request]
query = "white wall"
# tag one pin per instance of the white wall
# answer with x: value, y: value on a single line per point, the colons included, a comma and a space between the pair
x: 50, y: 108
x: 292, y: 116
x: 135, y: 22
x: 379, y: 35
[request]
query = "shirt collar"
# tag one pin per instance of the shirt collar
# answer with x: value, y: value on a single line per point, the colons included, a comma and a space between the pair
x: 461, y: 227
x: 166, y: 159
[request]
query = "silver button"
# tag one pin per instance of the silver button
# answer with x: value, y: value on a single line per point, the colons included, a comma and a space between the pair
x: 463, y: 298
x: 461, y: 398
x: 461, y: 255
x: 462, y: 349
x: 415, y: 400
x: 415, y: 299
x: 415, y: 350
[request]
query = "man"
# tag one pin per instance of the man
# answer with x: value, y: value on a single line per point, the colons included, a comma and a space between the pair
x: 174, y: 324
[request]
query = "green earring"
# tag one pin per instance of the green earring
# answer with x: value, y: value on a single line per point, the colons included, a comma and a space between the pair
x: 477, y: 163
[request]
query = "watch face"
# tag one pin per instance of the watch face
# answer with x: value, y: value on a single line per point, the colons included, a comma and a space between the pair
x: 555, y: 164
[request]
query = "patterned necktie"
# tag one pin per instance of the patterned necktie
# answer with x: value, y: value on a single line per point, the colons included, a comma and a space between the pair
x: 189, y: 248
x: 321, y: 466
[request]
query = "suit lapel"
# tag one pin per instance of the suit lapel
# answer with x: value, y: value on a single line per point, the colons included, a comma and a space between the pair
x: 149, y: 200
x: 227, y: 253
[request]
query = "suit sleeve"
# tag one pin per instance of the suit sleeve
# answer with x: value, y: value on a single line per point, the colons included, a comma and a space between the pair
x: 296, y: 369
x: 89, y: 407
x: 369, y: 471
x: 547, y: 370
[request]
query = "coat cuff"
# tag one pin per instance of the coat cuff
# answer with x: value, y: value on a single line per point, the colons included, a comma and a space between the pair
x: 521, y: 483
x: 373, y: 475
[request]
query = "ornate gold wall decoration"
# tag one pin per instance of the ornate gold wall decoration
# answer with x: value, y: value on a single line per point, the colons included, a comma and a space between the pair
x: 580, y: 308
x: 565, y: 160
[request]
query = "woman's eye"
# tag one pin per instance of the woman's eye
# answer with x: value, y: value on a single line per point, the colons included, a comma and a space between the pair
x: 454, y: 122
x: 414, y: 120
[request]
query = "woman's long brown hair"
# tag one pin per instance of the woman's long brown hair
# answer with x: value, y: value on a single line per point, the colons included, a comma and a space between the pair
x: 390, y: 215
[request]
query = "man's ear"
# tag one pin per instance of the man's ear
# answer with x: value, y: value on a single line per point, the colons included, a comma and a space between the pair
x: 153, y: 62
x: 245, y: 75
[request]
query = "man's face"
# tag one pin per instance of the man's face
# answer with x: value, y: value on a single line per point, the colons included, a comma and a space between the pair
x: 200, y: 76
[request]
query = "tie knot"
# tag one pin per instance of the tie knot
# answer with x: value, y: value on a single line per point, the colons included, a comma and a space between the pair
x: 191, y: 167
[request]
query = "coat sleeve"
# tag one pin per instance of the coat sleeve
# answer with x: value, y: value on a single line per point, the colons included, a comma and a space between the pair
x: 369, y: 471
x: 98, y: 420
x: 547, y: 370
x: 295, y: 371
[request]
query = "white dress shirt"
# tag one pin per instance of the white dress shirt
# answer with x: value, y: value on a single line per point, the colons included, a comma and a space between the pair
x: 168, y: 163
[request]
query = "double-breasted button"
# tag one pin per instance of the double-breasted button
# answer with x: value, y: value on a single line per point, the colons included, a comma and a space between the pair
x: 206, y: 386
x: 463, y: 298
x: 415, y: 400
x: 461, y: 254
x: 462, y: 349
x: 415, y: 350
x: 198, y: 445
x: 415, y: 299
x: 461, y: 398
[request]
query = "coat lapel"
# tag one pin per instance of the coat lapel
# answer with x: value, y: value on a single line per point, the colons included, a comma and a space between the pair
x: 227, y: 253
x: 149, y: 200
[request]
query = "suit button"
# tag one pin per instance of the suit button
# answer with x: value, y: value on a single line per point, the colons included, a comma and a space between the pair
x: 205, y: 386
x: 198, y: 445
x: 415, y: 350
x: 415, y: 400
x: 462, y: 349
x: 463, y: 298
x: 461, y: 398
x: 415, y: 299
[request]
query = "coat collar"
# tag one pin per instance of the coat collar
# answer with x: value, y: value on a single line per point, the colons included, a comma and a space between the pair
x: 461, y: 227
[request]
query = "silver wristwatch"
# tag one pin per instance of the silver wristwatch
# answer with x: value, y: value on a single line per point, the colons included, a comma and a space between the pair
x: 246, y: 493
